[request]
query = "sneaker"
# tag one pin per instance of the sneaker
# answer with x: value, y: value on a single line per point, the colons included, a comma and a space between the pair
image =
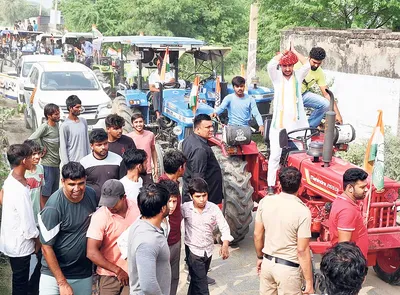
x: 210, y: 281
x: 271, y: 190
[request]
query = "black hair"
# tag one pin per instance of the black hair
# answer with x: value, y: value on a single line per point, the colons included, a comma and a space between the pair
x: 137, y: 115
x: 134, y: 157
x: 17, y: 153
x: 98, y: 135
x: 290, y: 179
x: 344, y: 268
x: 197, y: 120
x: 50, y: 109
x: 81, y: 38
x: 34, y: 146
x: 238, y: 81
x: 352, y: 175
x: 317, y: 53
x: 72, y: 101
x: 197, y: 185
x: 171, y: 186
x: 173, y: 160
x: 151, y: 199
x: 113, y: 120
x: 73, y: 171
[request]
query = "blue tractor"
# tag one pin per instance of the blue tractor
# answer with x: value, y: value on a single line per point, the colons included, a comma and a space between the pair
x: 177, y: 118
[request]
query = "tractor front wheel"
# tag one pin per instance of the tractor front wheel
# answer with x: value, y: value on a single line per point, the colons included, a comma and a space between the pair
x: 104, y: 78
x: 388, y: 266
x: 237, y: 204
x: 120, y: 108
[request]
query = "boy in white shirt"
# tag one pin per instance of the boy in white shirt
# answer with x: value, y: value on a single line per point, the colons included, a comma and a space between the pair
x: 135, y: 161
x: 19, y: 235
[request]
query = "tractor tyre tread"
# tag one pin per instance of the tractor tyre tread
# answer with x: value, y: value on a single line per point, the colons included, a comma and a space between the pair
x: 120, y: 108
x: 103, y: 78
x: 238, y: 203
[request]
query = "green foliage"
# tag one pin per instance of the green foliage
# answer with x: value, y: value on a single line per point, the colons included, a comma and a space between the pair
x: 17, y: 10
x: 356, y: 154
x: 335, y: 14
x: 5, y: 114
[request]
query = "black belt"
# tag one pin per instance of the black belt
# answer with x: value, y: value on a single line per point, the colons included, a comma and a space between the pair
x: 281, y: 261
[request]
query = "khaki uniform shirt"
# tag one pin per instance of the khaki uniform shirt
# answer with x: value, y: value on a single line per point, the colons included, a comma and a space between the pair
x: 285, y: 219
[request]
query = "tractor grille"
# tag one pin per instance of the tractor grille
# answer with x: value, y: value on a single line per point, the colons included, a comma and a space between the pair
x: 87, y: 109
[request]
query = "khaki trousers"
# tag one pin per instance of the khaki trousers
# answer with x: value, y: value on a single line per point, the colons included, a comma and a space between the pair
x: 279, y: 279
x: 110, y: 286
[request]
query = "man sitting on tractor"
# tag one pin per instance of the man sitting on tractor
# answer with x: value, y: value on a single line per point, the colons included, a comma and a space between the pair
x: 289, y: 111
x: 154, y: 85
x: 240, y: 106
x: 311, y: 100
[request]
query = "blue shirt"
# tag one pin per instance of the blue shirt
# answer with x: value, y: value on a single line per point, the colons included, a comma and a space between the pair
x: 87, y: 48
x: 35, y: 27
x: 240, y: 109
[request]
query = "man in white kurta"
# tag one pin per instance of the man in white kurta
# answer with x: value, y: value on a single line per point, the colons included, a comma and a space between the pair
x: 289, y: 111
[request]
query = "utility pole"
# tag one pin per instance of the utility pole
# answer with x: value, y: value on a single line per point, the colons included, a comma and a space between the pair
x: 252, y: 49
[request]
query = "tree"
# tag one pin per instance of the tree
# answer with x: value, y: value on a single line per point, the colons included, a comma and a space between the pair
x: 17, y: 10
x: 335, y: 14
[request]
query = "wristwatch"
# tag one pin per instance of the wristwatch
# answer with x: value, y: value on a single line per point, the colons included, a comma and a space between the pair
x: 260, y: 257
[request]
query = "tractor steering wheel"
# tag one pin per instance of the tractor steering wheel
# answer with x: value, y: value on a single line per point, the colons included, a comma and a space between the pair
x: 170, y: 85
x: 304, y: 138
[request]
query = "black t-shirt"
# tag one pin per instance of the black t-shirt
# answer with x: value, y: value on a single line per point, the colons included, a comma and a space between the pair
x: 201, y: 162
x: 63, y: 225
x: 121, y: 145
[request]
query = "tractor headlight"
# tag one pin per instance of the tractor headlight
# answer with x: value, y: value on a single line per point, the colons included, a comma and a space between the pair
x: 177, y: 130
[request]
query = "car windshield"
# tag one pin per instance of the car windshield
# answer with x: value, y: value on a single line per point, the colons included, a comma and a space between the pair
x: 26, y: 68
x: 68, y: 81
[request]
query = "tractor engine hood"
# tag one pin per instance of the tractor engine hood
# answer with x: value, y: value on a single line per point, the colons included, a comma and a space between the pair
x: 176, y: 106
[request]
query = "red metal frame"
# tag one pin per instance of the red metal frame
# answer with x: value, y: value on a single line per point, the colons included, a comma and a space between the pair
x: 321, y: 185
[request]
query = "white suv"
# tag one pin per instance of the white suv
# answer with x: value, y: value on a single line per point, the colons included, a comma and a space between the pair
x: 24, y: 65
x: 53, y: 82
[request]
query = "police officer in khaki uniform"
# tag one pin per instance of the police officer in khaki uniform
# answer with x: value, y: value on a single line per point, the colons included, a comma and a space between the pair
x: 281, y: 238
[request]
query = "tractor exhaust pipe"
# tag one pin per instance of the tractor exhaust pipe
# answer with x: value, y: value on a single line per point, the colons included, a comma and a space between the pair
x: 329, y: 131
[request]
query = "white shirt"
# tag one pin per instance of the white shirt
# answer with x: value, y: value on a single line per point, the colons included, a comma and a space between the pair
x: 287, y: 105
x: 18, y: 226
x: 131, y: 188
x: 155, y: 77
x: 199, y: 227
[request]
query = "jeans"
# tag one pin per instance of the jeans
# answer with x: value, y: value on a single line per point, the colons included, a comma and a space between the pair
x: 175, y: 251
x: 20, y: 274
x: 198, y: 268
x: 51, y: 180
x: 320, y: 105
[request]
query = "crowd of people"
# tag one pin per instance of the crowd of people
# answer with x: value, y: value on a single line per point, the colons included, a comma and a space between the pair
x: 19, y: 26
x: 115, y: 225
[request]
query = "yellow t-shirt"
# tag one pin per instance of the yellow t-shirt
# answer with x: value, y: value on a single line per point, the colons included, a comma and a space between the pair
x: 312, y: 77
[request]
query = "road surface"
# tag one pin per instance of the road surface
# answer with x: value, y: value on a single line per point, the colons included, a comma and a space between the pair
x: 237, y: 275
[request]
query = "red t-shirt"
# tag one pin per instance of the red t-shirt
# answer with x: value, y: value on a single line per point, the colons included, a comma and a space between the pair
x: 175, y: 219
x: 346, y: 215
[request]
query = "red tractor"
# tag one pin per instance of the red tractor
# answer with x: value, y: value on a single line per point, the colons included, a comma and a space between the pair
x: 244, y: 170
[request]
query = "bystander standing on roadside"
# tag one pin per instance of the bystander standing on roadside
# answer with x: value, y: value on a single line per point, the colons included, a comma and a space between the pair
x: 135, y: 161
x: 174, y: 167
x: 35, y: 179
x: 346, y: 221
x: 201, y: 161
x: 100, y: 165
x: 148, y: 253
x: 344, y: 268
x: 144, y: 140
x: 48, y: 136
x: 281, y: 237
x: 201, y: 217
x: 63, y: 225
x: 114, y: 216
x: 173, y: 227
x: 117, y: 142
x: 18, y: 233
x: 74, y: 138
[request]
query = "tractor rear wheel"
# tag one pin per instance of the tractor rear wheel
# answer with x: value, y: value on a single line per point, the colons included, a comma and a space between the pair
x: 237, y: 204
x: 104, y: 78
x: 388, y: 266
x: 120, y: 108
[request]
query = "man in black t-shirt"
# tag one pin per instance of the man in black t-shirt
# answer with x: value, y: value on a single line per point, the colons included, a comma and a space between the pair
x: 63, y: 224
x: 117, y: 142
